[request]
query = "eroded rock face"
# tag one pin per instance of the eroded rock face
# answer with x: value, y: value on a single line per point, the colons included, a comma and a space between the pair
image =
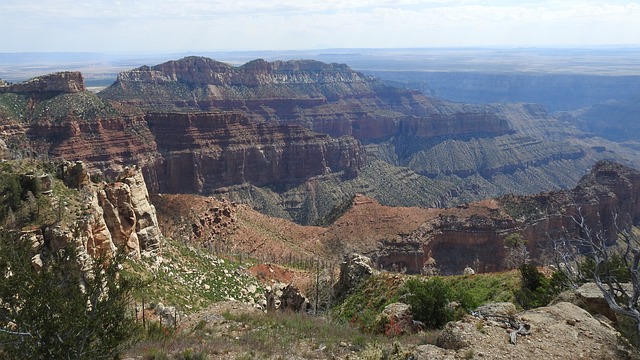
x: 354, y: 270
x: 474, y: 236
x: 286, y: 297
x: 206, y: 151
x: 117, y: 215
x: 128, y: 214
x: 61, y: 82
x: 103, y: 144
x: 327, y: 98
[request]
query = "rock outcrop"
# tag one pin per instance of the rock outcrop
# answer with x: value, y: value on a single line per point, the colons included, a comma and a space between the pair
x: 116, y: 215
x: 354, y: 270
x: 286, y: 297
x: 397, y: 319
x: 60, y: 82
x: 128, y: 214
x: 475, y: 234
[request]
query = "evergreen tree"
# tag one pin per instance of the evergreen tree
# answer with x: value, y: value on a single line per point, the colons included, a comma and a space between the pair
x: 62, y: 310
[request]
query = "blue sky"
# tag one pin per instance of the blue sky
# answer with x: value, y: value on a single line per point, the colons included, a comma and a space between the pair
x: 137, y: 26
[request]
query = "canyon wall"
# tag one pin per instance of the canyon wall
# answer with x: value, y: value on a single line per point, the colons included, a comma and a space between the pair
x: 60, y: 82
x: 205, y: 151
x: 608, y: 199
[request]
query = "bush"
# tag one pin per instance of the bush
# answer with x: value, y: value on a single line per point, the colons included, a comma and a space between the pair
x: 535, y: 290
x: 429, y: 301
x: 47, y: 314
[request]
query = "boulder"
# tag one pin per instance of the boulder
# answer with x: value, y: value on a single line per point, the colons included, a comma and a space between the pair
x: 397, y: 319
x: 354, y: 270
x: 589, y: 297
x: 499, y: 309
x: 286, y: 297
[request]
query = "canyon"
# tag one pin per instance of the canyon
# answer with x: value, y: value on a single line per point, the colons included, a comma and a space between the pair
x: 298, y: 139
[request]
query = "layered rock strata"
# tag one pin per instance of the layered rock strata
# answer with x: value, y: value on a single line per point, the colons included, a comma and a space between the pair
x: 327, y: 98
x: 205, y: 151
x: 60, y: 82
x: 608, y: 199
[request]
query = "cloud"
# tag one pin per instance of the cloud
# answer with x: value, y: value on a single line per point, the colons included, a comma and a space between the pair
x: 178, y: 25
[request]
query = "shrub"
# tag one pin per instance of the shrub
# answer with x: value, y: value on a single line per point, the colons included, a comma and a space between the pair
x: 47, y: 315
x: 535, y: 290
x: 429, y: 301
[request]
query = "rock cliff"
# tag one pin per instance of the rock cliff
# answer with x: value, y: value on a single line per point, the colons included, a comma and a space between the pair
x: 473, y: 235
x: 327, y: 98
x: 206, y: 151
x: 61, y: 82
x: 246, y: 132
x: 116, y: 215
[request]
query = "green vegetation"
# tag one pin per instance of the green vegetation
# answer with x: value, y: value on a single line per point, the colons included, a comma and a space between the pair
x: 368, y: 300
x: 429, y: 297
x: 190, y: 278
x: 524, y: 207
x: 278, y: 335
x: 429, y: 300
x: 535, y: 289
x: 84, y: 105
x: 23, y: 203
x: 65, y: 309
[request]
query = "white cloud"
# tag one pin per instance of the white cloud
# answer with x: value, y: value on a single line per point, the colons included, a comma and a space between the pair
x: 177, y: 25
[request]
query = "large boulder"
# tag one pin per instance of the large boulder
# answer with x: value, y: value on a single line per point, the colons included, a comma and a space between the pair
x: 286, y: 297
x: 397, y: 319
x: 589, y: 297
x: 500, y: 309
x: 354, y: 270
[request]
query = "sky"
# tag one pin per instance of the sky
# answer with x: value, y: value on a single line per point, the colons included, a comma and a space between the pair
x: 144, y: 26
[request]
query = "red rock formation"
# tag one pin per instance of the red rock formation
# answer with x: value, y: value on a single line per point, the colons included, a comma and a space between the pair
x: 205, y: 151
x: 474, y: 235
x: 327, y: 98
x: 60, y: 82
x: 104, y: 144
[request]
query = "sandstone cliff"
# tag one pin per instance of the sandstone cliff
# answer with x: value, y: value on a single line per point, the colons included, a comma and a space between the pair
x: 473, y: 235
x: 61, y: 82
x: 206, y: 151
x: 116, y: 215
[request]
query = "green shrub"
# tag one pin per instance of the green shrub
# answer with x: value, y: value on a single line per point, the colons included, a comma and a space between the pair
x: 45, y: 312
x: 429, y: 301
x: 535, y: 290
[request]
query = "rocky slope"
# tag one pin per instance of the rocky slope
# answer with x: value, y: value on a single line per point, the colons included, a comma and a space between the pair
x: 449, y: 239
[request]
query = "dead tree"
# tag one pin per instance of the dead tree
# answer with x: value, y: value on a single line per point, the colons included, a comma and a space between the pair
x: 592, y: 243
